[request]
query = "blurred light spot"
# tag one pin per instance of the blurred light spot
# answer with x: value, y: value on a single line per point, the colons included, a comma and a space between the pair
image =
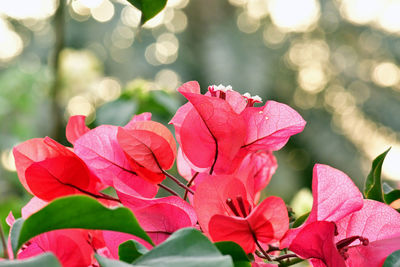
x: 294, y: 15
x: 312, y: 79
x: 168, y: 15
x: 238, y: 2
x: 130, y: 16
x: 390, y: 18
x: 104, y: 12
x: 79, y: 105
x: 273, y: 36
x: 122, y: 37
x: 80, y: 10
x: 150, y: 55
x: 390, y: 166
x: 166, y: 48
x: 10, y: 42
x: 369, y: 41
x: 360, y: 91
x: 303, y: 99
x: 33, y: 9
x: 7, y: 160
x: 302, y: 202
x: 155, y: 21
x: 77, y: 63
x: 257, y: 9
x: 178, y: 22
x: 344, y: 57
x: 247, y: 24
x: 99, y: 50
x: 361, y: 11
x: 380, y: 13
x: 309, y: 52
x: 167, y: 79
x: 109, y: 89
x: 90, y: 3
x: 178, y: 4
x: 364, y: 70
x: 386, y: 74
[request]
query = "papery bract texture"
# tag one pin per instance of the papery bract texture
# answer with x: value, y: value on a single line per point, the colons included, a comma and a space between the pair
x: 331, y: 203
x: 211, y: 132
x: 42, y: 168
x: 69, y: 246
x: 76, y: 127
x: 150, y: 144
x: 226, y: 212
x: 269, y: 127
x: 100, y: 150
x: 354, y: 232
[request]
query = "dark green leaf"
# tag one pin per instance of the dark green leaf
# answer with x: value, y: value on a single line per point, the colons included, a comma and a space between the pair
x: 78, y: 212
x: 45, y: 259
x: 236, y: 252
x: 185, y: 248
x: 149, y: 8
x: 393, y: 260
x: 390, y: 194
x: 14, y: 235
x: 131, y: 250
x: 105, y: 262
x: 373, y: 184
x: 299, y: 221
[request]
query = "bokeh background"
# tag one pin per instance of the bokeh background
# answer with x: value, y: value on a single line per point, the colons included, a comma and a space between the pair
x: 335, y: 61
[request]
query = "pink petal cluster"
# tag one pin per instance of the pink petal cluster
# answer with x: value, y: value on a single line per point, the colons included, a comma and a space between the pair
x: 343, y: 229
x: 225, y: 153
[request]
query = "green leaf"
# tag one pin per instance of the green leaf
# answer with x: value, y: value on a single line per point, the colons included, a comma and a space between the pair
x: 106, y: 262
x: 236, y: 252
x: 373, y: 184
x: 393, y: 260
x: 390, y: 194
x: 149, y: 8
x: 131, y: 250
x: 299, y: 221
x: 78, y: 212
x: 185, y: 248
x: 45, y: 259
x: 14, y: 234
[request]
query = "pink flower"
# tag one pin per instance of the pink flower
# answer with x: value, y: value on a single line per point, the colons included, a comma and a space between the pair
x: 100, y: 150
x: 226, y: 212
x: 342, y: 228
x: 218, y: 129
x: 49, y: 170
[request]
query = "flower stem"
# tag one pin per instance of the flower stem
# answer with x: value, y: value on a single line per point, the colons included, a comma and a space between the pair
x: 291, y: 262
x: 262, y: 250
x: 107, y: 197
x: 177, y: 182
x: 4, y: 244
x: 286, y: 256
x: 166, y: 188
x: 189, y: 184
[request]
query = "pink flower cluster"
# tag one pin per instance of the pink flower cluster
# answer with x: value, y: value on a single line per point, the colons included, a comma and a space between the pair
x: 225, y: 153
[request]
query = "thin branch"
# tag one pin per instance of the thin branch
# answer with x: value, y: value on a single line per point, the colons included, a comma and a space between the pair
x: 290, y: 262
x: 262, y: 250
x: 287, y: 256
x: 177, y: 181
x: 166, y: 188
x: 104, y: 196
x: 59, y: 32
x: 189, y: 184
x: 3, y: 243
